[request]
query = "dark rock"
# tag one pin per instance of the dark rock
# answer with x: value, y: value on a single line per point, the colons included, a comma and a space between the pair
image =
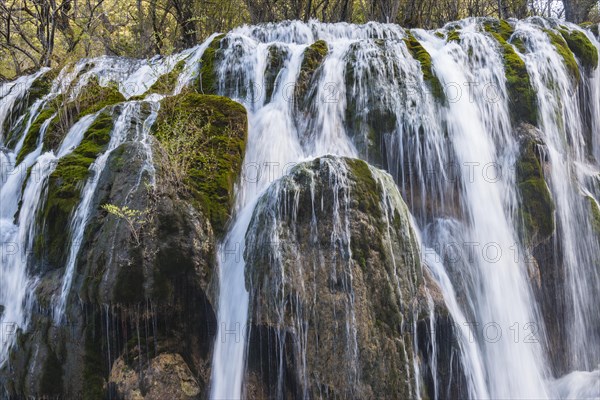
x: 334, y: 276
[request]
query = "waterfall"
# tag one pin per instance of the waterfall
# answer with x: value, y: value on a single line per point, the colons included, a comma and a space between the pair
x: 573, y: 186
x: 474, y: 122
x: 471, y: 130
x: 122, y: 127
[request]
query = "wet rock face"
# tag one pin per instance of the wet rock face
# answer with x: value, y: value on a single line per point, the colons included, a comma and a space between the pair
x: 141, y: 313
x: 537, y: 205
x: 166, y: 376
x: 333, y: 271
x: 543, y: 260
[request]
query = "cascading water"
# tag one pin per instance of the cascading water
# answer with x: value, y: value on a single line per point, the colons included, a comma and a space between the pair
x: 22, y: 184
x: 122, y: 127
x: 436, y: 109
x: 572, y: 181
x: 472, y: 129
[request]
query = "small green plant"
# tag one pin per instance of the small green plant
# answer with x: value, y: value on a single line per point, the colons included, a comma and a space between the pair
x: 135, y: 219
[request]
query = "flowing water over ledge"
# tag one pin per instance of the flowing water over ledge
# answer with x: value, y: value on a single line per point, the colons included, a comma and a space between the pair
x: 450, y: 114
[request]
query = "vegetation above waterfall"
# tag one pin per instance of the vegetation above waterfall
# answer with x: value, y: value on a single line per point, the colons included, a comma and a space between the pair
x: 52, y: 34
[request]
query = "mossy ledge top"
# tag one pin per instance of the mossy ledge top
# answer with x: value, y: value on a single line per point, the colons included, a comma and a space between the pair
x: 205, y: 137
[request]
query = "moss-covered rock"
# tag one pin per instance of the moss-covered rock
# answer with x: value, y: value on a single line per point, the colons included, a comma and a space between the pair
x: 421, y: 55
x: 312, y: 60
x: 500, y: 27
x: 207, y: 81
x: 537, y: 206
x: 41, y: 86
x: 565, y: 52
x: 64, y: 191
x: 595, y: 211
x: 453, y: 36
x: 582, y: 47
x: 166, y: 83
x: 205, y: 139
x: 522, y: 97
x: 33, y: 135
x: 92, y: 98
x: 51, y: 377
x: 16, y: 121
x: 338, y: 232
x: 275, y: 63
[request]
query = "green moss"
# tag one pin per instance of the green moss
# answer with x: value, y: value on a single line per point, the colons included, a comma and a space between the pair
x: 453, y: 36
x: 499, y: 27
x: 522, y: 97
x: 582, y: 47
x: 166, y: 83
x: 91, y: 99
x: 565, y: 52
x: 595, y: 210
x: 205, y: 138
x: 64, y: 190
x: 313, y: 58
x: 94, y: 97
x: 365, y: 187
x: 41, y: 86
x: 537, y: 207
x: 38, y: 89
x: 208, y: 74
x: 421, y: 55
x: 274, y: 65
x: 31, y: 140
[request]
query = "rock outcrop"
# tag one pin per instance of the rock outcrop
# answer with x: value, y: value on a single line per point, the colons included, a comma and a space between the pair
x: 334, y: 274
x: 140, y: 318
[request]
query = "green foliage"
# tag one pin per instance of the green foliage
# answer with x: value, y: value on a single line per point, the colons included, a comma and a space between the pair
x: 135, y: 219
x: 421, y: 55
x: 582, y: 47
x: 204, y: 139
x: 208, y: 74
x: 64, y: 190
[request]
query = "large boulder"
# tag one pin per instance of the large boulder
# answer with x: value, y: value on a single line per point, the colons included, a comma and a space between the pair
x: 165, y: 376
x: 334, y: 274
x: 142, y: 292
